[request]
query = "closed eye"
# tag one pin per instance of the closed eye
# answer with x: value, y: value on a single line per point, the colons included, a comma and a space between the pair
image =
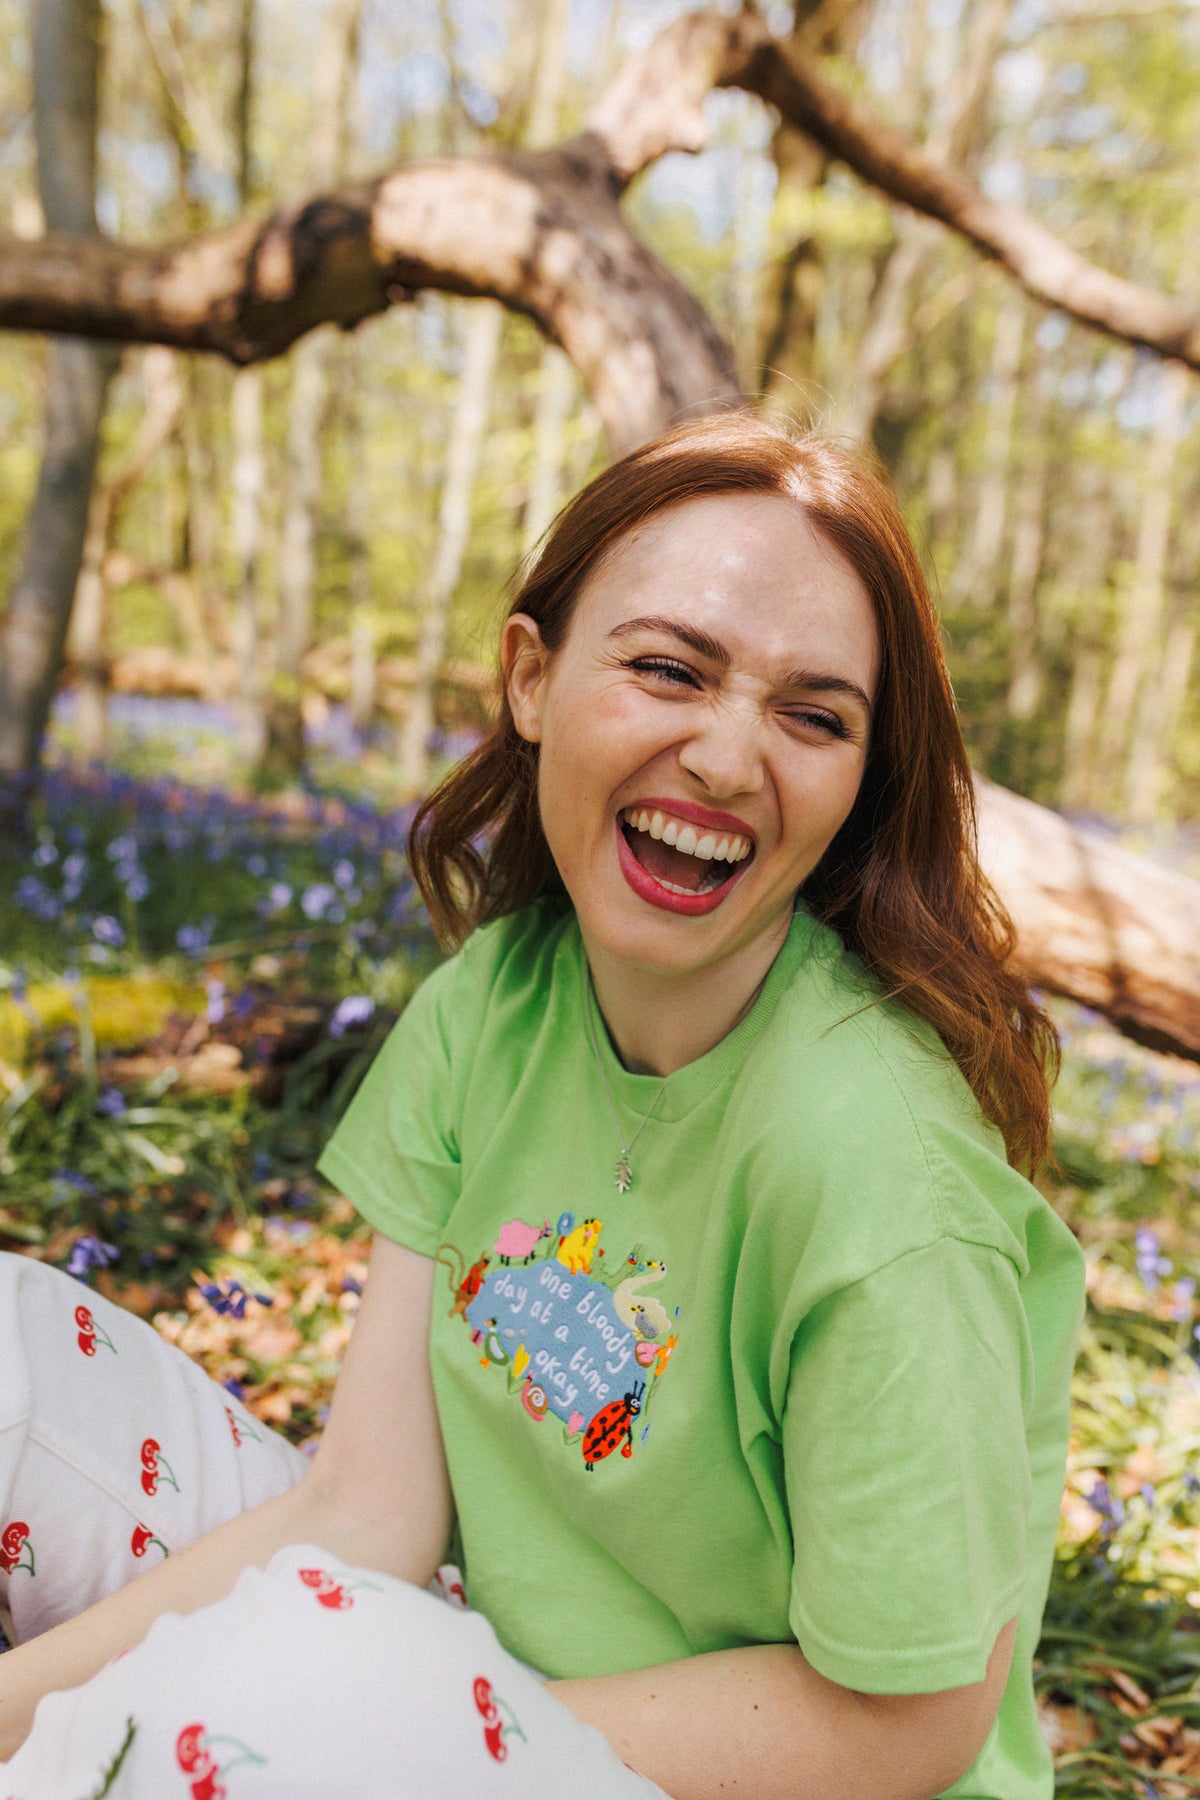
x: 676, y: 674
x: 829, y: 723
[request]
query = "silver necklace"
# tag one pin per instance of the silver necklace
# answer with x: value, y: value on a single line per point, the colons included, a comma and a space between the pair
x: 622, y: 1170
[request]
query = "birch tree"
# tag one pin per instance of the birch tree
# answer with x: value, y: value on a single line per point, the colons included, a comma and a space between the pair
x: 67, y: 37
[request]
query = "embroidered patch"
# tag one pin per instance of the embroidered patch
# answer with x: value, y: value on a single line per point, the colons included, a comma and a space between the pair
x: 579, y: 1339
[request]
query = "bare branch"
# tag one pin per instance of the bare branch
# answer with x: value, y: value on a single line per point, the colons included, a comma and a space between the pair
x: 668, y: 83
x: 539, y: 231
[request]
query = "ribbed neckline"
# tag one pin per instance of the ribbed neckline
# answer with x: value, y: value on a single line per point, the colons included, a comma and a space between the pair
x: 686, y: 1087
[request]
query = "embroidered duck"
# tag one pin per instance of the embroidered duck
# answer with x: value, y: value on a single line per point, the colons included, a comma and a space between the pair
x: 642, y: 1313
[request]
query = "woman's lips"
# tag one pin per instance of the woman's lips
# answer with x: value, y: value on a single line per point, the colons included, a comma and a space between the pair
x: 647, y: 888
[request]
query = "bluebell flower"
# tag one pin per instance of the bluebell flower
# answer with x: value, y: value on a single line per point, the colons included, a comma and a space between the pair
x: 1111, y: 1509
x: 214, y: 1000
x: 355, y: 1009
x: 279, y: 895
x: 1184, y: 1292
x: 72, y: 1178
x: 231, y: 1298
x: 343, y: 873
x: 88, y: 1253
x: 236, y: 1388
x: 107, y: 930
x: 45, y: 854
x: 110, y: 1102
x: 316, y: 900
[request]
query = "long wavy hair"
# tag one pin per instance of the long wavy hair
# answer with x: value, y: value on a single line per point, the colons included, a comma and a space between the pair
x: 901, y: 881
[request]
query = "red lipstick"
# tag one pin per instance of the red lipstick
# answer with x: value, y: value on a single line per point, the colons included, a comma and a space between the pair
x: 647, y: 888
x: 694, y: 815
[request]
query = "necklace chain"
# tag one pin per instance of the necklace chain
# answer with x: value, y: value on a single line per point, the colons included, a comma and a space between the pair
x: 622, y: 1170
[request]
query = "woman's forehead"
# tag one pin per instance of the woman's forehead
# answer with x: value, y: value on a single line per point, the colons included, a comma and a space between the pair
x: 752, y: 570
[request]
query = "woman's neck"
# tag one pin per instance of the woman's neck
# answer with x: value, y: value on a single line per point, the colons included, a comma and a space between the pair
x: 660, y: 1021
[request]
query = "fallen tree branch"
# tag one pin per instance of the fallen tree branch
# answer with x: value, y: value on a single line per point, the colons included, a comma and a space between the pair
x: 540, y: 231
x: 1096, y: 922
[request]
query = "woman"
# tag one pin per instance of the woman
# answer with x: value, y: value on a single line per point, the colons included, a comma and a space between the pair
x: 706, y: 1307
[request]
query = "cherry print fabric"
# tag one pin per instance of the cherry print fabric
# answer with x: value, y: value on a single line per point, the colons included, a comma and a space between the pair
x: 310, y: 1679
x: 313, y: 1680
x: 115, y: 1449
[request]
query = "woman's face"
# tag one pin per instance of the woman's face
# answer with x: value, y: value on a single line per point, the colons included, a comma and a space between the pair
x: 703, y: 728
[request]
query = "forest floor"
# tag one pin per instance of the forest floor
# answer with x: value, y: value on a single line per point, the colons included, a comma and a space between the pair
x: 191, y: 987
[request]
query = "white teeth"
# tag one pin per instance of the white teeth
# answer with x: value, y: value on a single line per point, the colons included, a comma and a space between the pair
x: 709, y: 847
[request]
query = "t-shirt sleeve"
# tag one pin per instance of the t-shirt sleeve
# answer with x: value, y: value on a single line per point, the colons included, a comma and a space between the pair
x: 395, y: 1152
x: 907, y: 1470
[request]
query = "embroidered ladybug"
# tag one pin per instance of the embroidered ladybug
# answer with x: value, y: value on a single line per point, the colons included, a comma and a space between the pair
x: 612, y: 1423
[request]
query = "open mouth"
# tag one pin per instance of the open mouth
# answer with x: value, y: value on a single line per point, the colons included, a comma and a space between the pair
x: 688, y: 860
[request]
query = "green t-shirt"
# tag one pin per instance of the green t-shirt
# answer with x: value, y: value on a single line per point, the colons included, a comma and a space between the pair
x: 806, y: 1380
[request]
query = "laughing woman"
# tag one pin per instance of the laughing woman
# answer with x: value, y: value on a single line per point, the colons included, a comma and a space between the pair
x: 711, y: 1316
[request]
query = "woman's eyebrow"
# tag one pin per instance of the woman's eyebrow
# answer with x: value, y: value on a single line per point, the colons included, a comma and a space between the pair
x: 811, y: 680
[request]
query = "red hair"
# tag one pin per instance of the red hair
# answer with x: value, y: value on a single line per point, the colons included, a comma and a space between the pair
x: 901, y: 882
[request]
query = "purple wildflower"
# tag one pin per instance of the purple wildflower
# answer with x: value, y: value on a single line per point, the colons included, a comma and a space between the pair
x: 355, y: 1009
x: 88, y: 1253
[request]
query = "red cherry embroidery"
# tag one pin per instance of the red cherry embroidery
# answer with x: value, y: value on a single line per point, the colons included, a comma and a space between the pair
x: 150, y: 1451
x: 328, y: 1591
x: 88, y: 1332
x: 233, y: 1426
x: 210, y: 1786
x: 493, y: 1736
x: 189, y: 1748
x: 141, y: 1540
x: 12, y: 1544
x: 484, y: 1703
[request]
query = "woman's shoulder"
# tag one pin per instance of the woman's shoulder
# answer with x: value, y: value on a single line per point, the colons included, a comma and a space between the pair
x: 867, y: 1101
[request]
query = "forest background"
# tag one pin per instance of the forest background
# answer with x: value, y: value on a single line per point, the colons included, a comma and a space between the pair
x: 287, y: 580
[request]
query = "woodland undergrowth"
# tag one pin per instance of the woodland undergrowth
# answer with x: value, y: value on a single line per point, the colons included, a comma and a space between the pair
x: 191, y: 988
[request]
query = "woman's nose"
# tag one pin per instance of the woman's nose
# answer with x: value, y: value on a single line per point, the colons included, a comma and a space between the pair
x: 726, y: 751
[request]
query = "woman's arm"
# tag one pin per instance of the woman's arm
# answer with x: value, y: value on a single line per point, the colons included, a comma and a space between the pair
x: 377, y: 1494
x: 763, y: 1723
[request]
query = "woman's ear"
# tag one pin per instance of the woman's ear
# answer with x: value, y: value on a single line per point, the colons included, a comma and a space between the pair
x: 524, y: 660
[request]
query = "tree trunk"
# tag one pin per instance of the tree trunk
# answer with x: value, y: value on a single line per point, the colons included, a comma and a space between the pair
x: 974, y: 576
x: 246, y: 485
x: 454, y: 520
x: 556, y: 378
x: 364, y: 661
x: 1028, y: 542
x: 283, y: 753
x: 1139, y: 642
x: 1157, y: 722
x: 793, y: 284
x: 66, y: 66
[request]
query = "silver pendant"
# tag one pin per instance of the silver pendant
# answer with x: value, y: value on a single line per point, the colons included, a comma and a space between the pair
x: 623, y: 1174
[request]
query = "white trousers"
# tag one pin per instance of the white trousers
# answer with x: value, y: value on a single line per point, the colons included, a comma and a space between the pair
x: 310, y: 1681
